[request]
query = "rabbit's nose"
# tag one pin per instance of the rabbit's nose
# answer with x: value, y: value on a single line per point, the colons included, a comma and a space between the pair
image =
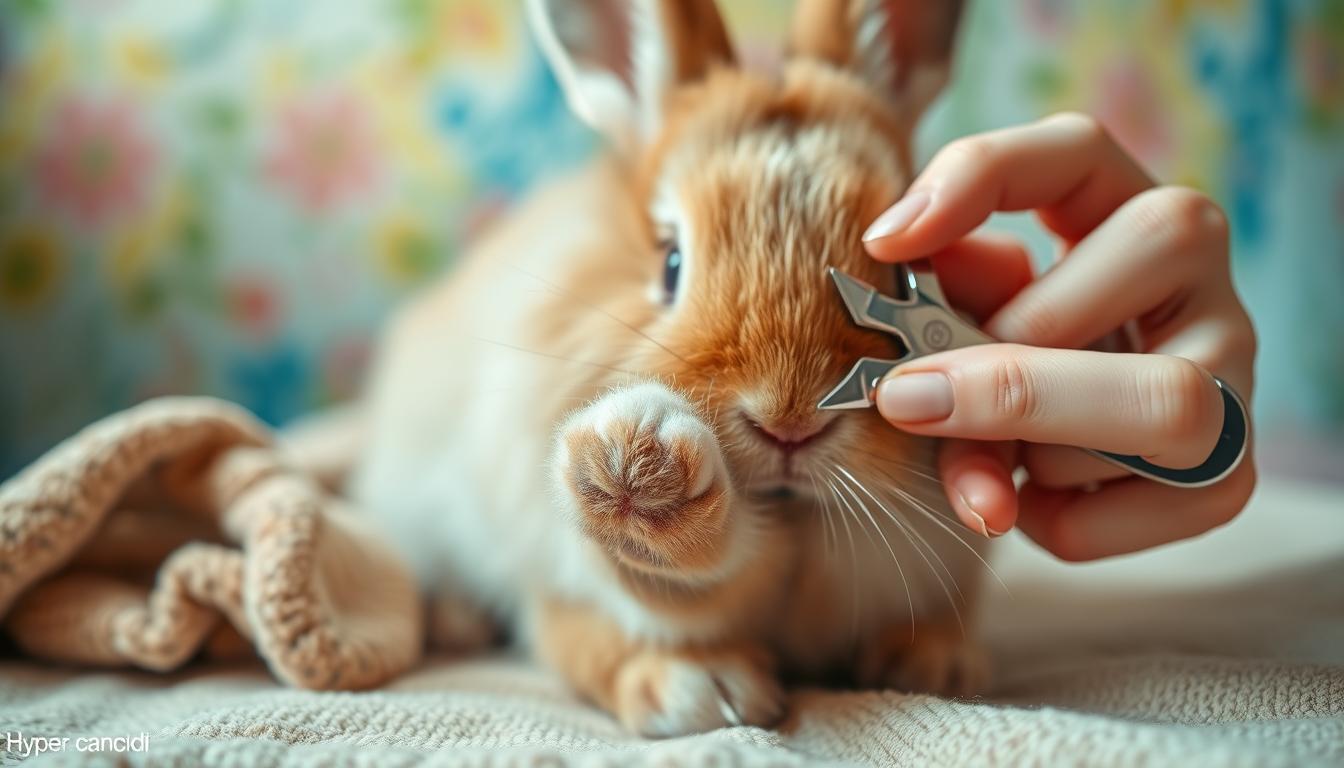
x: 788, y: 436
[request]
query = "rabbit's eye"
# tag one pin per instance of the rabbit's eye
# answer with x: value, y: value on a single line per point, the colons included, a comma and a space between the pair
x: 671, y: 270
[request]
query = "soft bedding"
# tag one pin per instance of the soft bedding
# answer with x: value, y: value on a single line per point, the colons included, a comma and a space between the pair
x: 1225, y: 651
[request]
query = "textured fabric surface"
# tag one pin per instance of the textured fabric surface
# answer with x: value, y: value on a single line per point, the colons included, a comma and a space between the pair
x: 178, y: 526
x: 1225, y: 651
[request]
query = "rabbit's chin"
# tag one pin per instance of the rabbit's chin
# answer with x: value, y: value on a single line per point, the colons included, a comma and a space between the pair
x: 766, y: 474
x: 770, y: 483
x: 779, y: 489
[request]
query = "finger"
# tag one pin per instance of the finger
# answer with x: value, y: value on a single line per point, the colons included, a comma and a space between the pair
x: 1166, y: 409
x: 1158, y: 248
x: 1215, y: 332
x: 980, y: 273
x: 1128, y: 515
x: 978, y: 480
x: 1062, y: 466
x: 1066, y: 166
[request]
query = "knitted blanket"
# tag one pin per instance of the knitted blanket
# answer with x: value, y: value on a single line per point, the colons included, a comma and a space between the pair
x: 1224, y: 651
x: 176, y: 528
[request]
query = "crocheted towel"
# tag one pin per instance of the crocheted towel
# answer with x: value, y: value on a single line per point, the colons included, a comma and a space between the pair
x: 177, y: 528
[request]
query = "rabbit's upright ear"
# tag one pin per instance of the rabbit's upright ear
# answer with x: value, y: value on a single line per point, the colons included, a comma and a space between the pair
x: 902, y: 48
x: 616, y: 60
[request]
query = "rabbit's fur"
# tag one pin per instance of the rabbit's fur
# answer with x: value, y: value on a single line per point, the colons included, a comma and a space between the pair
x: 560, y: 445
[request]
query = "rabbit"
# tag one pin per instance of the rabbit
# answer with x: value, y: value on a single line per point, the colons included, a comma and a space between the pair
x: 600, y: 431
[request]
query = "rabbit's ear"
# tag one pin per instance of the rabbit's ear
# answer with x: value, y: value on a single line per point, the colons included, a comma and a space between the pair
x: 902, y: 48
x: 616, y: 60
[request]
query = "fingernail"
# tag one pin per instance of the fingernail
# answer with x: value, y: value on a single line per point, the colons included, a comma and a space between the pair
x: 980, y: 526
x: 898, y: 217
x: 985, y: 530
x: 976, y: 490
x: 915, y: 397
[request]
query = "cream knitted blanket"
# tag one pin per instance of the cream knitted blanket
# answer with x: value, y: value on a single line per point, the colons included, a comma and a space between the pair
x: 1224, y: 651
x: 177, y: 527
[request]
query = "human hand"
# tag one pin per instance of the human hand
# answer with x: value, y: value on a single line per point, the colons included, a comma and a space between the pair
x: 1154, y: 256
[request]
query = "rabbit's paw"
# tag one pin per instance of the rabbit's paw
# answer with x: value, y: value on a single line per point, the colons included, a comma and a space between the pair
x: 662, y: 693
x: 647, y: 478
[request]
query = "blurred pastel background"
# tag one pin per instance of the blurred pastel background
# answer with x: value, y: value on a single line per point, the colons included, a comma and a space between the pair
x: 226, y: 196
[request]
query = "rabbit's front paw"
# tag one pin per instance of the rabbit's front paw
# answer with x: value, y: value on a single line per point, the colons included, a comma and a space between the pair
x: 647, y: 478
x: 664, y: 693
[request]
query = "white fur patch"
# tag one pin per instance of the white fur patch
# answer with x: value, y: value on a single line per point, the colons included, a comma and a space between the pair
x: 582, y: 572
x: 688, y: 427
x: 655, y: 407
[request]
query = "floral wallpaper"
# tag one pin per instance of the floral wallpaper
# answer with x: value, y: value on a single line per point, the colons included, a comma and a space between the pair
x: 225, y: 196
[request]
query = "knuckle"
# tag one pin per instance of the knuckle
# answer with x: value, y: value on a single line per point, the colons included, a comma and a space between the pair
x: 1183, y: 219
x: 1015, y: 393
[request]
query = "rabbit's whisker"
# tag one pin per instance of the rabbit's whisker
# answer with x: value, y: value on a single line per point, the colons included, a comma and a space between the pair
x: 589, y: 363
x: 928, y: 512
x: 593, y: 308
x: 910, y: 535
x: 909, y: 598
x: 853, y: 561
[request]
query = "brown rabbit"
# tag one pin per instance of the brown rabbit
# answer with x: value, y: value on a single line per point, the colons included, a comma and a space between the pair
x: 602, y: 430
